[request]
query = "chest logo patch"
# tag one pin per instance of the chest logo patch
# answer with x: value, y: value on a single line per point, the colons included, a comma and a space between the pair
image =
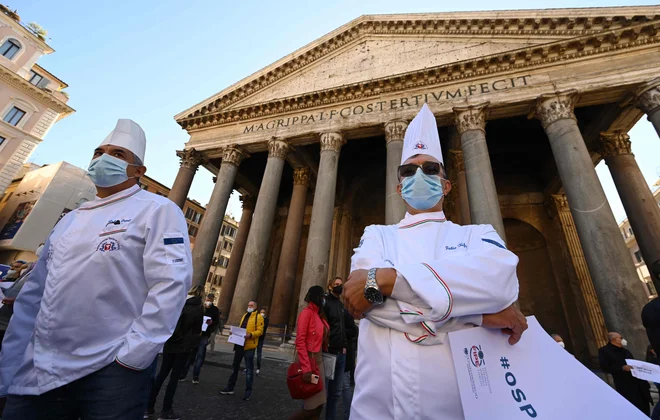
x: 107, y: 245
x: 419, y: 146
x: 454, y: 248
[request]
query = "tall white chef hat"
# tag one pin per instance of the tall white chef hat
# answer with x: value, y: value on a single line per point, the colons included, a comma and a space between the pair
x: 422, y: 137
x: 129, y: 135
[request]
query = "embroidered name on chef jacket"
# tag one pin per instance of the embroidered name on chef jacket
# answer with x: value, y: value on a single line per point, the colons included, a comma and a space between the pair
x: 454, y: 248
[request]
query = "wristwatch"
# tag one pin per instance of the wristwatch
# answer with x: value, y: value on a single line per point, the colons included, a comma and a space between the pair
x: 371, y: 290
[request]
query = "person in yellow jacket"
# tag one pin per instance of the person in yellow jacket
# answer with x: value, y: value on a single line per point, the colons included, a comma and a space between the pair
x: 254, y: 327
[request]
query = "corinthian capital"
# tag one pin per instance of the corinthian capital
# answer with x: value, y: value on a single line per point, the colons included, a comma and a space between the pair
x: 551, y: 107
x: 233, y: 155
x: 395, y: 130
x: 277, y: 148
x: 472, y: 117
x: 648, y: 96
x: 301, y: 176
x: 190, y: 158
x: 614, y: 143
x: 332, y: 141
x: 248, y: 201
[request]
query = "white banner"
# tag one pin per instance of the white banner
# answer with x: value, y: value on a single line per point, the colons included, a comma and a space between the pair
x: 535, y: 379
x: 643, y: 370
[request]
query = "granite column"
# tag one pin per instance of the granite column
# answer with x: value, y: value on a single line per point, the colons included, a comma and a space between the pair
x: 619, y: 290
x: 190, y: 161
x: 641, y: 208
x: 254, y: 257
x: 648, y: 100
x: 482, y: 195
x: 315, y: 270
x: 286, y: 269
x: 209, y: 231
x: 395, y: 208
x: 231, y: 275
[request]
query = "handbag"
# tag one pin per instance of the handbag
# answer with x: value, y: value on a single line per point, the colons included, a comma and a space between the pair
x: 298, y: 388
x: 329, y: 363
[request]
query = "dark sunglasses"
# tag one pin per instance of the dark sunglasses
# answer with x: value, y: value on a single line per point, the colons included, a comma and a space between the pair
x: 429, y: 168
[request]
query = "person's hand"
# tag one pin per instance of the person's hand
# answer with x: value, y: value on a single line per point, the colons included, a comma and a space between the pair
x: 354, y: 300
x: 248, y: 335
x: 510, y: 321
x: 307, y: 377
x: 209, y: 322
x: 344, y: 351
x: 627, y: 368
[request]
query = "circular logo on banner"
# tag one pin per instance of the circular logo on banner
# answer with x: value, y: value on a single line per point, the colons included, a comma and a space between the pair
x: 476, y: 356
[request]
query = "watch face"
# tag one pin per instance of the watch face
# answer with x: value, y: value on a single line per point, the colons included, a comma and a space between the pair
x: 373, y: 295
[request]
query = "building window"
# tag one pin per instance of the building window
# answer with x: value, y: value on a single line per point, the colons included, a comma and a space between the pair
x: 651, y: 287
x: 192, y: 231
x: 198, y: 218
x: 210, y: 276
x: 10, y: 48
x: 217, y: 247
x: 229, y: 231
x: 189, y: 213
x: 630, y: 231
x: 638, y: 256
x: 222, y: 231
x: 35, y: 78
x: 14, y: 116
x: 2, y: 140
x: 228, y: 246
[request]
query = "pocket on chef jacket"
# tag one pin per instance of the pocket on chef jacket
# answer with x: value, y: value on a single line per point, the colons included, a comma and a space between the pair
x: 175, y: 248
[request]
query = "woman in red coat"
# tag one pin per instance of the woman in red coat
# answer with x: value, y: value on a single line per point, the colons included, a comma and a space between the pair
x: 312, y: 334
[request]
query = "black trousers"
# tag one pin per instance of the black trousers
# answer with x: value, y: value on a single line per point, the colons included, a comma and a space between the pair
x: 174, y: 363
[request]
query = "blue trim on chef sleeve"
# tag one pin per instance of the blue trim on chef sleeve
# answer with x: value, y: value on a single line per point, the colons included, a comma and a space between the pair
x: 490, y: 241
x: 173, y: 241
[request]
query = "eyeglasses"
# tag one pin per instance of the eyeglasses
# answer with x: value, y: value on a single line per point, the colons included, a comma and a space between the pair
x: 429, y: 168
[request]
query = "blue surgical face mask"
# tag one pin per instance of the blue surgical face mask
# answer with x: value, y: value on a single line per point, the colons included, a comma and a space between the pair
x: 107, y: 171
x: 422, y: 191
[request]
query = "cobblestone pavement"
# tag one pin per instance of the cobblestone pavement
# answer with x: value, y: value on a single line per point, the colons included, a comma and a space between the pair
x: 270, y: 396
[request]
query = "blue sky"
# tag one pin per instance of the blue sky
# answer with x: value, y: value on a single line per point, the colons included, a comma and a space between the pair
x: 149, y: 60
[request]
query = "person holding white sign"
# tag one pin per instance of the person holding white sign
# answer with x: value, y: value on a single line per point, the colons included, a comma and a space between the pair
x: 414, y: 282
x: 612, y: 358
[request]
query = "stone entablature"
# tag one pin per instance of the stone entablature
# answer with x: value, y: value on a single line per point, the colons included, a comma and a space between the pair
x: 557, y: 24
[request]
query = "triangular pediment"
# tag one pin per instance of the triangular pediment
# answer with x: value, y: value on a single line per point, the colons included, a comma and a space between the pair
x: 375, y: 47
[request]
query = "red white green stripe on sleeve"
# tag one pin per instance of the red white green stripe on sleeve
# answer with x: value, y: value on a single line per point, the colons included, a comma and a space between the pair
x: 421, y: 222
x: 444, y: 285
x: 416, y: 340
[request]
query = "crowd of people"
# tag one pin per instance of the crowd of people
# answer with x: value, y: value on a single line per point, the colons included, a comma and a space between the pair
x: 122, y: 264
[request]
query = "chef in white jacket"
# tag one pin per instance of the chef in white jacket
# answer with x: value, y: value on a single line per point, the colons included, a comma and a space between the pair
x: 104, y: 297
x: 417, y: 280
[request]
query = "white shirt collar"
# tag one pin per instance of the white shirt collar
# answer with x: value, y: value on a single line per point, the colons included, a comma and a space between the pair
x: 410, y: 219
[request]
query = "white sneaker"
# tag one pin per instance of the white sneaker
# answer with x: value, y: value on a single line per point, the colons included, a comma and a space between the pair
x: 195, y: 381
x: 257, y: 371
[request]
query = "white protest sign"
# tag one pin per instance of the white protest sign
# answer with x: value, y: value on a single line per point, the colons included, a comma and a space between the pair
x: 237, y: 335
x: 535, y: 379
x: 644, y: 371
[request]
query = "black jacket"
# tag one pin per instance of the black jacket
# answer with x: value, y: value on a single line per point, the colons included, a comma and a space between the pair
x: 351, y: 341
x: 334, y: 312
x: 612, y: 360
x: 187, y: 332
x: 214, y: 313
x: 651, y: 321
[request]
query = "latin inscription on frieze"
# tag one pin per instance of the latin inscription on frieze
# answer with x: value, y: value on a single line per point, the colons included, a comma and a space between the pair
x: 439, y: 96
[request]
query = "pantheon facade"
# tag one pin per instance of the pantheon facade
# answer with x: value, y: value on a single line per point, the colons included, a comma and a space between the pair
x: 527, y: 103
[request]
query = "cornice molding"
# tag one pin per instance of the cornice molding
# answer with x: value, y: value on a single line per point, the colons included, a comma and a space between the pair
x: 538, y: 26
x: 507, y: 61
x: 34, y: 92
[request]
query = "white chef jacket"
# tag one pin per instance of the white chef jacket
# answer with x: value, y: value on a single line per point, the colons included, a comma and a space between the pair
x: 447, y: 277
x: 110, y: 286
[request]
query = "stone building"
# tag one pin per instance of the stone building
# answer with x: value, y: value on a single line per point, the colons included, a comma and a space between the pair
x: 31, y: 98
x: 635, y: 251
x: 527, y: 103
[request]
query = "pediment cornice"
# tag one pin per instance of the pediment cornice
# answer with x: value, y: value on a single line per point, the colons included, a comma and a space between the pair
x: 576, y: 48
x: 551, y: 24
